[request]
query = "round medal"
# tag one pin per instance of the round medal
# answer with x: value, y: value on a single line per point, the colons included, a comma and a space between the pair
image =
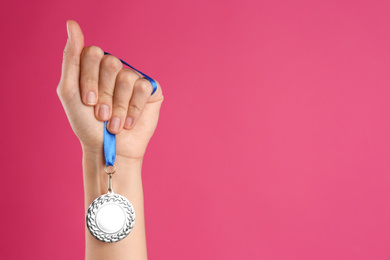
x: 110, y: 217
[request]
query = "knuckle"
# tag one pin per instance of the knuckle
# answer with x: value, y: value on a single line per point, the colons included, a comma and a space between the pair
x: 106, y: 93
x: 87, y: 80
x: 65, y: 54
x: 134, y: 109
x: 144, y: 87
x: 65, y: 93
x: 111, y: 63
x: 120, y: 108
x: 69, y: 56
x: 93, y: 52
x: 59, y: 91
x: 67, y: 50
x: 126, y: 76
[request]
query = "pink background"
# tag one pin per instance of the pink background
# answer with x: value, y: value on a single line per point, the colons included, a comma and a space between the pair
x: 273, y: 141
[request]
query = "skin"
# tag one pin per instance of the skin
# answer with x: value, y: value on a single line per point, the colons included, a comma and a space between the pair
x: 95, y: 88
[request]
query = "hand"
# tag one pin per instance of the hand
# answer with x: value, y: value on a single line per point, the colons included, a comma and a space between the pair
x: 95, y: 88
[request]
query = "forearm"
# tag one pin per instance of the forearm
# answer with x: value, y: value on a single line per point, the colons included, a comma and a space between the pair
x: 127, y: 182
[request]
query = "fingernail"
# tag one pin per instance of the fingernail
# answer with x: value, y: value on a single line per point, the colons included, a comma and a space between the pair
x: 67, y: 29
x: 91, y: 98
x: 104, y: 112
x: 114, y: 124
x: 128, y: 122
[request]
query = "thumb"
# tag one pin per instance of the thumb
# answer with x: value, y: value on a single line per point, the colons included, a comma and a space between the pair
x: 71, y: 59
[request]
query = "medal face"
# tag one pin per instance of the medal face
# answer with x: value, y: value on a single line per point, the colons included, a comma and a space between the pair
x: 110, y: 217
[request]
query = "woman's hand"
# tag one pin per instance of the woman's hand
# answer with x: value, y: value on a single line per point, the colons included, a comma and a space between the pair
x: 95, y: 88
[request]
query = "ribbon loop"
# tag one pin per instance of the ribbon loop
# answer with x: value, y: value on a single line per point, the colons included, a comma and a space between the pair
x: 109, y: 139
x: 152, y: 81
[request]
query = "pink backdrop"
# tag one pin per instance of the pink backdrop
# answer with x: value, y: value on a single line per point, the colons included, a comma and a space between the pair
x: 273, y: 141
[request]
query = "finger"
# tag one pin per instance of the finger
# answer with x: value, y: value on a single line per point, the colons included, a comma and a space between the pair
x: 71, y: 59
x: 109, y: 68
x: 139, y: 74
x: 89, y: 74
x: 122, y: 94
x: 141, y: 94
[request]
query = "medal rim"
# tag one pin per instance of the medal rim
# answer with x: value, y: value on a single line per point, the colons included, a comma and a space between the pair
x: 94, y: 208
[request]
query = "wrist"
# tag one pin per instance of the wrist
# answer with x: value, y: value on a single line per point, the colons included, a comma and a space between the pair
x: 92, y: 150
x: 97, y: 153
x: 94, y: 163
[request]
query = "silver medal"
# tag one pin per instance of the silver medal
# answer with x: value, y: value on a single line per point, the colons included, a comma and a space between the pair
x: 110, y: 217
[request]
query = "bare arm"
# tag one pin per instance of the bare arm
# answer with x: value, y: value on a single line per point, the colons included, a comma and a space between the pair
x: 95, y: 88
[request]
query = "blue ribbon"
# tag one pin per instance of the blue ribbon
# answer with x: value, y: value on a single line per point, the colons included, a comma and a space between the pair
x: 109, y: 139
x: 152, y: 81
x: 109, y: 146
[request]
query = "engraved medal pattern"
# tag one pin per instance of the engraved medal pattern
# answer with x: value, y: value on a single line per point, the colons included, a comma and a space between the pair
x: 98, y: 203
